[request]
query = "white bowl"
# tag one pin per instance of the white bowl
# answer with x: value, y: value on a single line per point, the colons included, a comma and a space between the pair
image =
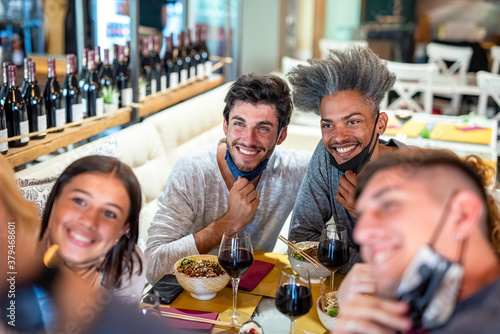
x: 327, y: 320
x: 301, y: 267
x: 202, y: 288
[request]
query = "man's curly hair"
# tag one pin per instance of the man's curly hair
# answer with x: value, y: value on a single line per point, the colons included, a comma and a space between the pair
x: 355, y: 68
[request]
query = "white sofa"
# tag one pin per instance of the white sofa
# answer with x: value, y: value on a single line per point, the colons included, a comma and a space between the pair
x: 152, y: 147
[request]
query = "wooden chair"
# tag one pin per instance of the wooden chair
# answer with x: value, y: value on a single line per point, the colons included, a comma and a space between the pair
x: 410, y: 80
x: 325, y: 45
x: 448, y: 76
x: 489, y: 84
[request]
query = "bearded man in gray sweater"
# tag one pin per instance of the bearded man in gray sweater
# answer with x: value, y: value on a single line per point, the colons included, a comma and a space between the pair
x: 345, y: 90
x: 242, y: 182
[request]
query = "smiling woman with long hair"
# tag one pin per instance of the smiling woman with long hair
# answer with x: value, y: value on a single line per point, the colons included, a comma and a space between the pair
x: 92, y: 215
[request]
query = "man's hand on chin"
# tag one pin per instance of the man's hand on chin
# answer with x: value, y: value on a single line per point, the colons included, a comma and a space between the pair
x: 347, y: 190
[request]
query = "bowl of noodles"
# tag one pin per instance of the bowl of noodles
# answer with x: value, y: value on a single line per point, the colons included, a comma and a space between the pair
x: 301, y: 265
x: 329, y: 310
x: 201, y: 276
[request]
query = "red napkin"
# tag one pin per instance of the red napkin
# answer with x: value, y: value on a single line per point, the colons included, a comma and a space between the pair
x: 178, y: 323
x: 470, y: 128
x: 252, y: 277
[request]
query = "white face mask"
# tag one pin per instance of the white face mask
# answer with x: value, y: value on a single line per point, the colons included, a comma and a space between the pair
x: 431, y: 283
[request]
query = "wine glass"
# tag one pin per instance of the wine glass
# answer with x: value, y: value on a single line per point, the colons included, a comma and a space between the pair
x: 235, y: 256
x: 293, y: 297
x: 333, y: 248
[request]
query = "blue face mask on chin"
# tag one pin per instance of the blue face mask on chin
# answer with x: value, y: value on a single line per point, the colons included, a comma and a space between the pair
x: 248, y: 175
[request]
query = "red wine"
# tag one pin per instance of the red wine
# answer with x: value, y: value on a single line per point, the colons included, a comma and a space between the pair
x: 54, y: 108
x: 333, y: 254
x: 4, y: 147
x: 181, y: 59
x: 106, y: 74
x: 34, y: 104
x: 236, y: 261
x: 158, y: 67
x: 71, y: 92
x: 83, y: 73
x: 15, y: 111
x: 293, y: 300
x: 193, y: 55
x: 147, y: 71
x: 97, y: 59
x: 24, y: 86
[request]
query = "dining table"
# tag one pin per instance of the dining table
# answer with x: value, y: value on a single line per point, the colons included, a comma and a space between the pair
x: 260, y: 302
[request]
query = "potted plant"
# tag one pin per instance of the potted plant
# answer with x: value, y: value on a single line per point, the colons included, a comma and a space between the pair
x: 110, y: 97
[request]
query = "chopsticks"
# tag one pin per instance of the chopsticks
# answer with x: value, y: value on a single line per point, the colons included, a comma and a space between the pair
x: 298, y: 250
x: 197, y: 319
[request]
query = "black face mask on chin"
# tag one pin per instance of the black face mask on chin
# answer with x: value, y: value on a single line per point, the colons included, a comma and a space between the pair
x: 357, y: 163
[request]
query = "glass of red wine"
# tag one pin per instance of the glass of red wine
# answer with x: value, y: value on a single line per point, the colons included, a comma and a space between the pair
x: 235, y: 256
x: 333, y: 248
x: 293, y: 297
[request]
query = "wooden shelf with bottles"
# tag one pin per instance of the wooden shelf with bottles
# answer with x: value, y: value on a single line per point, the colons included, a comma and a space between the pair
x: 54, y: 140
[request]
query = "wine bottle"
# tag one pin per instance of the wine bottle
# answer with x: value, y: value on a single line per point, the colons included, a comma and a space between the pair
x: 15, y: 111
x: 71, y: 92
x: 205, y: 56
x: 115, y: 60
x: 106, y: 74
x: 34, y: 104
x: 98, y: 61
x: 4, y: 147
x: 54, y: 108
x: 125, y: 97
x: 91, y: 90
x: 83, y: 73
x: 126, y: 52
x: 146, y: 70
x: 5, y: 87
x: 181, y: 59
x: 191, y: 54
x: 171, y: 66
x: 159, y: 67
x: 24, y: 85
x: 186, y: 58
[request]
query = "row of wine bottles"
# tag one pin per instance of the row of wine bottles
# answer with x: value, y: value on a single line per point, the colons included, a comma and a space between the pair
x: 180, y: 63
x: 26, y: 109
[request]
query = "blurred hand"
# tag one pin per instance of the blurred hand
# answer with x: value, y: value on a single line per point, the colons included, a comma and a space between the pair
x: 242, y: 203
x: 347, y: 190
x: 359, y: 280
x: 370, y: 314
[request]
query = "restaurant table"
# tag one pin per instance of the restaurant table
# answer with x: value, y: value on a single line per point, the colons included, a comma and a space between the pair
x: 260, y: 302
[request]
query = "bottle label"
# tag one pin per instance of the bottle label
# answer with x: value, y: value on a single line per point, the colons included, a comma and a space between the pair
x: 84, y: 108
x: 153, y: 87
x: 142, y: 92
x: 126, y: 97
x: 5, y: 145
x: 77, y: 112
x: 42, y: 124
x: 201, y: 71
x: 208, y: 68
x: 174, y: 80
x: 192, y: 72
x: 163, y: 83
x: 24, y: 129
x: 60, y: 117
x: 99, y: 106
x: 184, y: 76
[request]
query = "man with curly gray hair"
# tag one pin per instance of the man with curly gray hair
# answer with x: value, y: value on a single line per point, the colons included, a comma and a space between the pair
x: 345, y: 90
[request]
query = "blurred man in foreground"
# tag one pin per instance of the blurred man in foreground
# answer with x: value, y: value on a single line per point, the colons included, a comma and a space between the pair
x: 430, y: 237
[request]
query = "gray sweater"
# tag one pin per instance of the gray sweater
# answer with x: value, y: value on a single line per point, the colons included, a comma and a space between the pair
x: 195, y: 195
x: 316, y: 204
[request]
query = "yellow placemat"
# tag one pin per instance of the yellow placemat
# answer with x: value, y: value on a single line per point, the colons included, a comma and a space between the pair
x: 411, y: 128
x: 267, y: 287
x: 452, y: 132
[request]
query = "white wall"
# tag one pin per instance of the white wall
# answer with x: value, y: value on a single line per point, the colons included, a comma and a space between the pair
x: 260, y: 36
